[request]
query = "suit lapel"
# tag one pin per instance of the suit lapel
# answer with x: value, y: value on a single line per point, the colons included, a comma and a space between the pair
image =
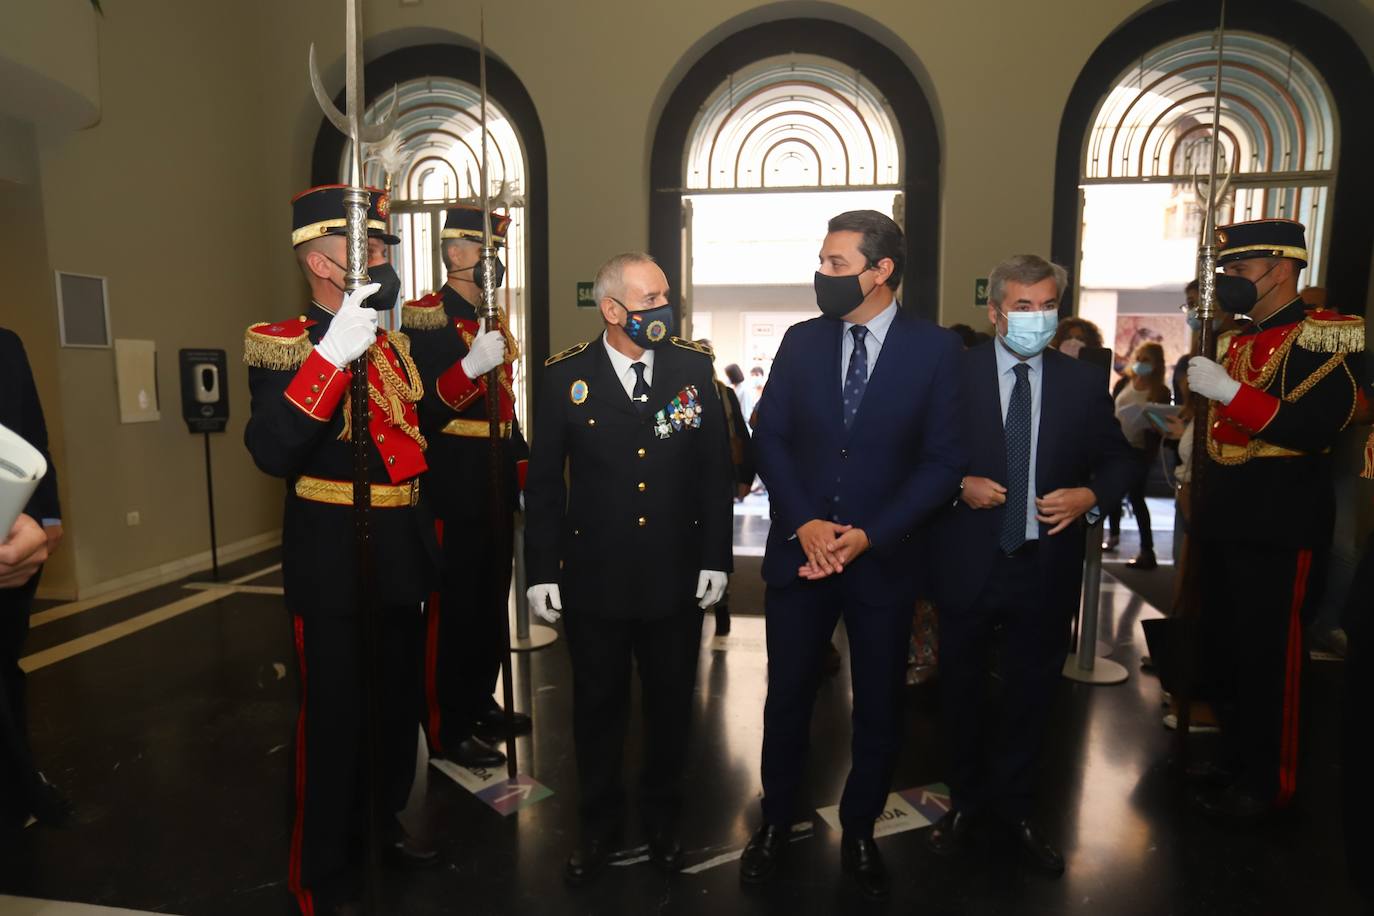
x: 1048, y: 417
x: 877, y: 373
x: 606, y: 387
x: 988, y: 410
x: 833, y: 383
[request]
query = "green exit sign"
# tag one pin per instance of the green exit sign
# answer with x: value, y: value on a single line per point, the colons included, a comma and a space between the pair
x: 980, y: 291
x: 584, y: 296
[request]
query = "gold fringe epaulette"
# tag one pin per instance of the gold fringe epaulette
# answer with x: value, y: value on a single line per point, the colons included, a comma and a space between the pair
x: 693, y: 345
x: 1332, y: 332
x: 571, y: 351
x: 277, y: 344
x: 424, y: 314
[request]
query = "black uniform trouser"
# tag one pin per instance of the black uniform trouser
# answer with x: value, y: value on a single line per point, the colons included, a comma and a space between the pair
x: 994, y: 739
x: 464, y: 630
x: 16, y: 765
x: 328, y: 836
x: 665, y: 651
x: 1357, y: 745
x: 800, y: 618
x: 1253, y: 596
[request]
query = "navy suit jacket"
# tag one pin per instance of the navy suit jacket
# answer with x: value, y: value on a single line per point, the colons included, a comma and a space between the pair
x: 21, y: 412
x: 1080, y: 445
x: 896, y: 465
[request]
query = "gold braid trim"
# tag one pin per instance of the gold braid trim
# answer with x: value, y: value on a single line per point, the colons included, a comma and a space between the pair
x: 423, y: 317
x: 1368, y: 472
x: 395, y: 392
x: 1332, y: 336
x: 267, y: 351
x: 1307, y: 384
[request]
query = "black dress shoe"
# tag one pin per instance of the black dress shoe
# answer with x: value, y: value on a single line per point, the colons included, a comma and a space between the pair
x: 410, y: 854
x: 473, y: 752
x: 1036, y: 850
x: 496, y: 721
x: 1144, y: 561
x: 1110, y: 543
x: 666, y: 853
x: 762, y: 855
x: 859, y: 856
x: 587, y: 863
x: 1235, y: 805
x: 952, y: 835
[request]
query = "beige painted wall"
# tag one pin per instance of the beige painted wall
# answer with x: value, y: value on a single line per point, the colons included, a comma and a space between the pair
x: 180, y: 194
x: 163, y: 197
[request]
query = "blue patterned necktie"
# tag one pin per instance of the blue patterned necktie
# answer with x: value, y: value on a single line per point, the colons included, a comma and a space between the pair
x: 640, y: 395
x: 1018, y: 433
x: 856, y: 378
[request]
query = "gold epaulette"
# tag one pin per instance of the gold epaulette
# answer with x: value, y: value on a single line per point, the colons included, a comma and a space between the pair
x: 400, y: 340
x: 571, y: 351
x: 425, y: 313
x: 693, y: 345
x: 1331, y: 332
x: 278, y: 344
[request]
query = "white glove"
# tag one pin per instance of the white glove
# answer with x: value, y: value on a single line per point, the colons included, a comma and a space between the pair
x: 1210, y: 380
x: 353, y: 329
x: 488, y: 351
x: 710, y: 587
x: 545, y: 601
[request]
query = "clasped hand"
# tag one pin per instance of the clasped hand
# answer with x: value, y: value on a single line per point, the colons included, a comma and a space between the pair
x: 829, y: 547
x: 1058, y: 509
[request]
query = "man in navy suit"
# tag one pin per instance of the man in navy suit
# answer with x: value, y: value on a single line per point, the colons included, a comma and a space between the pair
x: 857, y: 442
x: 1044, y: 448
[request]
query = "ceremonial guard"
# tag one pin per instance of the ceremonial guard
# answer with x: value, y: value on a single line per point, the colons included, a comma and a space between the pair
x: 631, y: 545
x: 300, y: 431
x: 465, y: 619
x: 1283, y: 391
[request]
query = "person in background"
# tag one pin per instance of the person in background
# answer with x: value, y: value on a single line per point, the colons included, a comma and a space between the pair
x: 1075, y: 334
x: 1189, y: 310
x: 741, y: 459
x: 749, y: 401
x: 31, y: 540
x: 735, y: 376
x: 967, y: 335
x: 1145, y: 386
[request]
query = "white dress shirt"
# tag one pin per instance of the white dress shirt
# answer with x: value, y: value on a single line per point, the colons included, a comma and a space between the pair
x: 877, y: 326
x: 624, y: 366
x: 1006, y: 380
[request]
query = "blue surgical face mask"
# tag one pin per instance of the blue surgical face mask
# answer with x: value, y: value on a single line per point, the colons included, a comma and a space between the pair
x: 1142, y: 368
x: 1030, y: 332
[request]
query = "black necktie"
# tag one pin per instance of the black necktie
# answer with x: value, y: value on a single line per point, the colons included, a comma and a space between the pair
x: 640, y: 395
x: 1018, y: 433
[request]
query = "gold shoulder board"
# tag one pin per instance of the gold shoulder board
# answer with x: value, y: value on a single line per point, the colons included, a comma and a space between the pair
x: 277, y: 344
x: 693, y: 345
x: 571, y: 351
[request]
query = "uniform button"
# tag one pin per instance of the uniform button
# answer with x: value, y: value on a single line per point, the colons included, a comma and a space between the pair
x: 643, y: 521
x: 390, y: 459
x: 641, y: 486
x: 844, y: 453
x: 315, y: 388
x: 381, y: 437
x: 640, y: 453
x: 321, y: 376
x: 309, y: 400
x: 576, y: 532
x: 591, y: 421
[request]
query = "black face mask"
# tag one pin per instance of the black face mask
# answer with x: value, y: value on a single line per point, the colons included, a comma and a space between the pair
x: 498, y: 273
x: 838, y: 296
x: 648, y: 328
x: 384, y: 299
x: 1238, y: 295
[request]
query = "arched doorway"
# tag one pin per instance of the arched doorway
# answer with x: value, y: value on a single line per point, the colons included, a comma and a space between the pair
x: 439, y: 123
x: 847, y: 70
x: 1295, y: 87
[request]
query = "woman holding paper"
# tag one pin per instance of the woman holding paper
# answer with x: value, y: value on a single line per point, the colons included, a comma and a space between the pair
x: 1145, y: 385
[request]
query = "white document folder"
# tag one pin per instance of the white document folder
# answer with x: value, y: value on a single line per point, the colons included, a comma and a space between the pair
x: 21, y: 468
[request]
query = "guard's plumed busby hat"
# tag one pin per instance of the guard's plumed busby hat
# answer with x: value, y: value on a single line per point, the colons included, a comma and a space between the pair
x: 1262, y: 238
x: 320, y: 211
x: 466, y: 223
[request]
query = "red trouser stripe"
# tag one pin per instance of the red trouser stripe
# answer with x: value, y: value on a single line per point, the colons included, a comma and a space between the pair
x: 303, y: 896
x: 1288, y: 746
x: 434, y: 718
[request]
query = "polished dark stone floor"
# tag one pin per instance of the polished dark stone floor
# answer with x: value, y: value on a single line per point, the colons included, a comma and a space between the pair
x: 173, y: 741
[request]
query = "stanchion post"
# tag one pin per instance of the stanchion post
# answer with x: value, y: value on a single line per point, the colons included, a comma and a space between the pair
x: 1084, y: 666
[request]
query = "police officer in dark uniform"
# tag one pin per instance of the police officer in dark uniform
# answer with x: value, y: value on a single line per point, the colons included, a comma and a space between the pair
x: 1282, y: 393
x: 300, y: 430
x: 633, y: 547
x: 466, y: 617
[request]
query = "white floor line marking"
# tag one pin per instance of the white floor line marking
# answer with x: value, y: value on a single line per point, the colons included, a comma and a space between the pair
x: 28, y: 906
x: 63, y: 611
x: 119, y: 630
x: 236, y: 589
